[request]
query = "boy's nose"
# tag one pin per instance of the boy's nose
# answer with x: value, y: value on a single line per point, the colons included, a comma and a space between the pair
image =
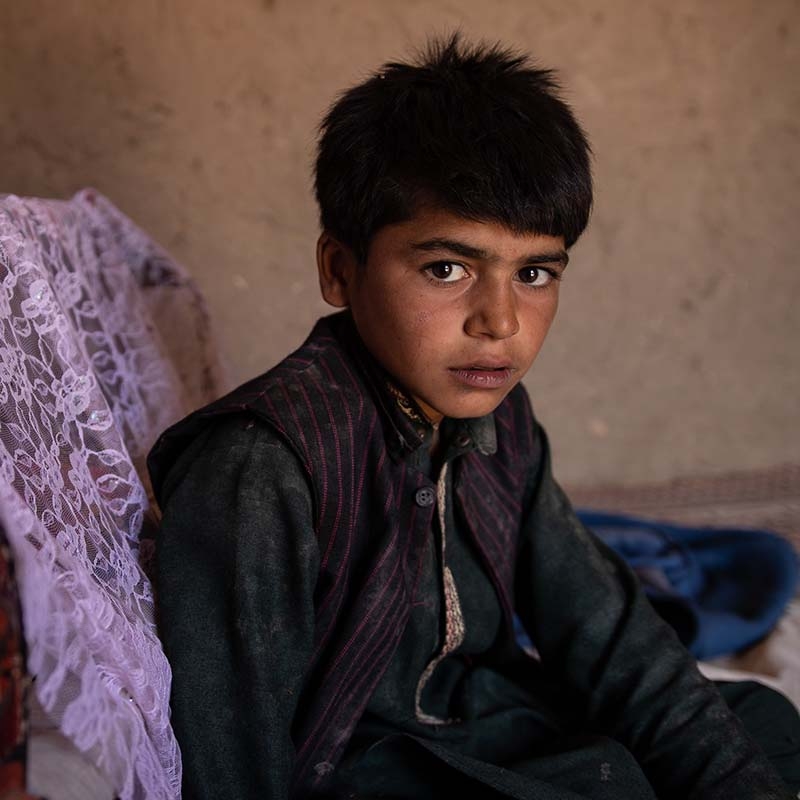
x: 493, y: 313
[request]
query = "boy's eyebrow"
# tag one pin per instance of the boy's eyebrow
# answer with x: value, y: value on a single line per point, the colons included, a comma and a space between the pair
x: 453, y: 246
x: 469, y: 251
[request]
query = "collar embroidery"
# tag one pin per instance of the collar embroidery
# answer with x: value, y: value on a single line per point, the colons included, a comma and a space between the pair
x: 406, y: 405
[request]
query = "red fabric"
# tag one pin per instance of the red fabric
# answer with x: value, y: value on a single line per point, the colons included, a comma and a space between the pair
x: 13, y: 682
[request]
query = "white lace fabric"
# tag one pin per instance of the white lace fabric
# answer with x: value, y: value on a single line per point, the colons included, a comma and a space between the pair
x: 93, y: 316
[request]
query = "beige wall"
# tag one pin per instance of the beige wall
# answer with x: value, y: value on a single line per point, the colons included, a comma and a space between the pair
x: 677, y: 347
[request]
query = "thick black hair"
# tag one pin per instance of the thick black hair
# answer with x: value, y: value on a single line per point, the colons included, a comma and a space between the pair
x: 477, y: 130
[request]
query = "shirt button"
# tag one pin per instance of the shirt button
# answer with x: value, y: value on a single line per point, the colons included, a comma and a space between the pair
x: 425, y: 497
x: 463, y: 440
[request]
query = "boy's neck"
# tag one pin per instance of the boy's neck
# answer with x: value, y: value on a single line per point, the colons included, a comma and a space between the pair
x: 435, y: 439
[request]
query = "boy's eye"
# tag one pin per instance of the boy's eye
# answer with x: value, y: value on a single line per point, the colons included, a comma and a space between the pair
x: 446, y: 271
x: 534, y: 276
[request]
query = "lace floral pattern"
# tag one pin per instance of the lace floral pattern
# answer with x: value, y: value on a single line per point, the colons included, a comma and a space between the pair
x: 86, y: 384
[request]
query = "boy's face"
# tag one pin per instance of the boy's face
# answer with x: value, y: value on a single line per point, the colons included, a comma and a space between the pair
x: 454, y: 310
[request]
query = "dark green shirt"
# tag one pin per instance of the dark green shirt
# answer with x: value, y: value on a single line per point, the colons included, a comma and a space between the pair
x: 237, y: 562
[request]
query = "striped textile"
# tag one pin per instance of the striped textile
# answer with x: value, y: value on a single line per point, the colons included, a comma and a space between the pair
x: 329, y: 402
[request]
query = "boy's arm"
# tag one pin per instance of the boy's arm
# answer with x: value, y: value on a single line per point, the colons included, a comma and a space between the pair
x: 237, y: 561
x: 596, y: 631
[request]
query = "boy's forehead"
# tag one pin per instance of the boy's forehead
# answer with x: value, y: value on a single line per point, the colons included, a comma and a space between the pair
x: 435, y: 229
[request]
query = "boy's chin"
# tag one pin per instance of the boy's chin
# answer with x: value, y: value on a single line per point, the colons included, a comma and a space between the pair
x: 464, y: 407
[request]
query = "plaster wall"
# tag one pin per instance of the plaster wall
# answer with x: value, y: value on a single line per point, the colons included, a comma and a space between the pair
x: 677, y: 347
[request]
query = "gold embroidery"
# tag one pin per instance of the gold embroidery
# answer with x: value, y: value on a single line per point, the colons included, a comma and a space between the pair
x: 405, y: 405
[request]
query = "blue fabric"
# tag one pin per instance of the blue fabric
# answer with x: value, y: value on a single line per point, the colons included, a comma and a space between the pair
x: 721, y: 589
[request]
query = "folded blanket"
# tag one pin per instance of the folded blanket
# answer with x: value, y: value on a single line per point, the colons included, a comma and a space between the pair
x: 722, y: 589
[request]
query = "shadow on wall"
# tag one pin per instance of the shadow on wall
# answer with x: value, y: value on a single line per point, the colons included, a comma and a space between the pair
x: 675, y: 351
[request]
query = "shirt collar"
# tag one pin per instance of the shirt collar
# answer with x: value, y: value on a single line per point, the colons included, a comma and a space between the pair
x: 407, y: 427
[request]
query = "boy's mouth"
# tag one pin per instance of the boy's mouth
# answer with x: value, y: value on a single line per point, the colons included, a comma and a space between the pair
x: 483, y: 376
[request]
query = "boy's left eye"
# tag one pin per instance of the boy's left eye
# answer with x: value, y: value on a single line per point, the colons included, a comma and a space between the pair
x: 535, y: 276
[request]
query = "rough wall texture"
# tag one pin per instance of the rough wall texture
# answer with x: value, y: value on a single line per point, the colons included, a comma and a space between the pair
x: 676, y: 350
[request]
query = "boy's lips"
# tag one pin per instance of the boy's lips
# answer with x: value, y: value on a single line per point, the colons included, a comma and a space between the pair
x: 484, y: 375
x: 485, y: 363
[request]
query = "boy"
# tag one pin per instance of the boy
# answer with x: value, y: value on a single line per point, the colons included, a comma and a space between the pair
x: 346, y: 539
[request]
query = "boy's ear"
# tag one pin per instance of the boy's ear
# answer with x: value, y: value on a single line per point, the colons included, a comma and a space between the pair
x: 336, y: 264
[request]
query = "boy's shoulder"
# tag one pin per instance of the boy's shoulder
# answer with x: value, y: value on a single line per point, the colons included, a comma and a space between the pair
x: 329, y: 363
x: 310, y: 394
